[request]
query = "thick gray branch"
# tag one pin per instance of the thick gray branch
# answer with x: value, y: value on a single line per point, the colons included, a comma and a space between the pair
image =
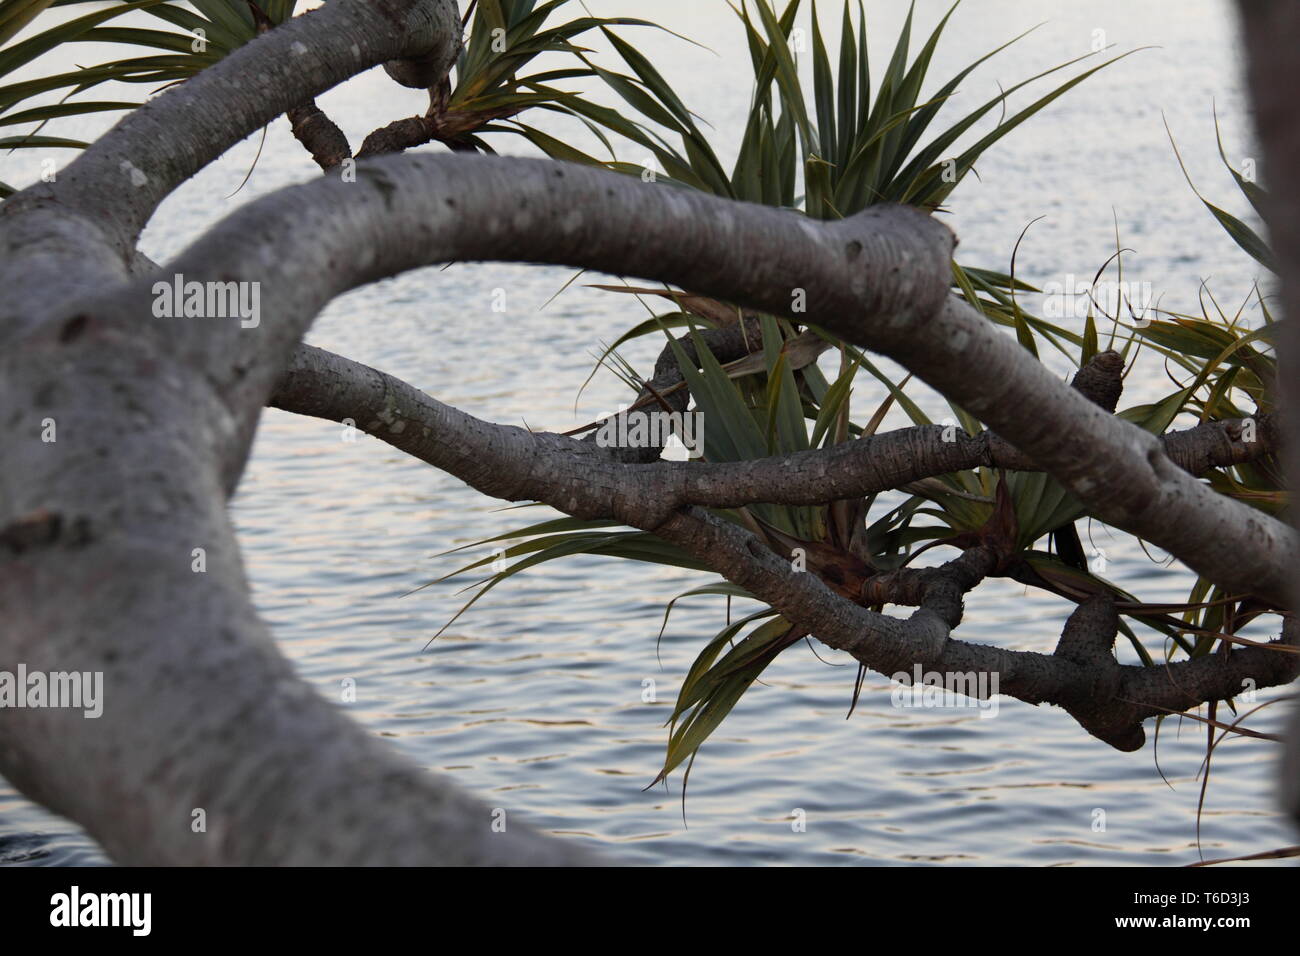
x: 575, y: 477
x: 880, y: 279
x: 100, y: 202
x: 116, y: 552
x: 505, y: 461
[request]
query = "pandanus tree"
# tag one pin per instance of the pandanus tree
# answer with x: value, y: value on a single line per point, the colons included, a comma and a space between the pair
x: 821, y: 242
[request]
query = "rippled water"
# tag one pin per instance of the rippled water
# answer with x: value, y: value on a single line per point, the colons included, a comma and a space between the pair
x: 534, y: 699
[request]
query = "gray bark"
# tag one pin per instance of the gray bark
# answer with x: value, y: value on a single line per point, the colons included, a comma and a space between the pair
x: 580, y: 479
x: 97, y: 528
x: 879, y: 279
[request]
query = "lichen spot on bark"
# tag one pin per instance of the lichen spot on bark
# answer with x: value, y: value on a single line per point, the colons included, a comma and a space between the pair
x: 137, y: 176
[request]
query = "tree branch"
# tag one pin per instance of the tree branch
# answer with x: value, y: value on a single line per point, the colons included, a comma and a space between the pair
x: 117, y: 556
x: 101, y: 201
x: 325, y: 385
x: 319, y: 134
x: 879, y: 279
x: 574, y: 477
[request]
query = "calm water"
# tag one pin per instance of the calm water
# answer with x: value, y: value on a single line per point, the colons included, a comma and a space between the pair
x: 534, y: 699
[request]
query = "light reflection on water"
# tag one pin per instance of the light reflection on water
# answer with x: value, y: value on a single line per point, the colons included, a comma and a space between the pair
x: 533, y: 699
